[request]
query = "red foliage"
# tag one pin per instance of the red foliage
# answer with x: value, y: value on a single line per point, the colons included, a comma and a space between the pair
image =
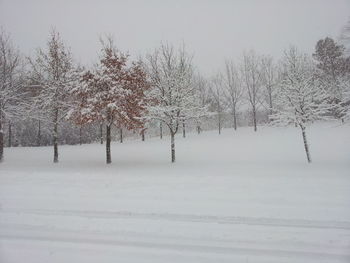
x: 114, y: 92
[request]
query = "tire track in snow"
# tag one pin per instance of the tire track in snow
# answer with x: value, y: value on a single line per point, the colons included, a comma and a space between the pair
x: 43, y: 234
x: 259, y: 221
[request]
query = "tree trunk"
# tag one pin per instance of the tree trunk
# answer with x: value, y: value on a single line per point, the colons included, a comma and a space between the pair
x: 121, y: 135
x: 254, y: 119
x: 108, y: 144
x: 198, y: 129
x: 55, y: 138
x: 101, y: 133
x: 55, y: 144
x: 183, y: 129
x: 161, y: 130
x: 38, y: 143
x: 80, y: 134
x: 234, y: 119
x: 306, y: 146
x: 10, y: 134
x: 271, y: 105
x: 172, y: 135
x: 1, y: 141
x: 143, y: 135
x: 219, y: 124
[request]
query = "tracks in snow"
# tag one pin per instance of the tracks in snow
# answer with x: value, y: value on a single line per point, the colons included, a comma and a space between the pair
x: 273, y: 222
x: 309, y: 252
x: 43, y: 234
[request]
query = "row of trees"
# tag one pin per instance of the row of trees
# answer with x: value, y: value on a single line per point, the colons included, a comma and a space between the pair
x: 49, y: 93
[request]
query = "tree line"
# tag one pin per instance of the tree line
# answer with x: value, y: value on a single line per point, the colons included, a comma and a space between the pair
x: 49, y: 99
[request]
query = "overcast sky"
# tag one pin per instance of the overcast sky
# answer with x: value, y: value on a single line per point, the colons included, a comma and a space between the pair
x: 212, y: 30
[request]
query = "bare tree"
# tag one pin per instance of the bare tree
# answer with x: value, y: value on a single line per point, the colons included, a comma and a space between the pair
x: 173, y: 94
x: 345, y: 37
x: 202, y: 89
x: 53, y: 71
x: 268, y: 80
x: 217, y: 97
x: 234, y: 90
x: 300, y: 99
x: 251, y: 76
x: 11, y: 85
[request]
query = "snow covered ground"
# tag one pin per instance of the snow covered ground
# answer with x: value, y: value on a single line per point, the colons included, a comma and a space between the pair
x: 238, y: 197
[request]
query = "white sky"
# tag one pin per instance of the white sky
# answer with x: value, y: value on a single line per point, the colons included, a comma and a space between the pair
x: 212, y: 30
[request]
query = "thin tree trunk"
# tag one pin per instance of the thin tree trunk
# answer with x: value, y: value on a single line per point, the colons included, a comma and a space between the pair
x: 161, y: 130
x: 55, y: 138
x: 271, y: 105
x: 10, y: 134
x: 234, y: 119
x: 121, y: 135
x: 219, y: 114
x: 172, y: 135
x: 1, y: 141
x: 183, y: 129
x: 143, y: 135
x: 108, y: 144
x: 198, y: 129
x: 254, y: 119
x: 55, y: 145
x: 101, y: 133
x: 80, y: 134
x: 39, y: 134
x: 306, y: 145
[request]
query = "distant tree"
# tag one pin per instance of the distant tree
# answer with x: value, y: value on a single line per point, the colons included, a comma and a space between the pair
x: 143, y: 134
x: 53, y: 71
x: 79, y: 102
x: 173, y: 95
x: 333, y: 68
x: 121, y: 136
x: 11, y: 86
x: 251, y: 77
x: 217, y: 95
x: 35, y: 114
x: 203, y: 91
x: 101, y: 132
x: 234, y: 90
x: 345, y: 37
x: 330, y: 57
x: 113, y: 93
x: 269, y: 80
x: 143, y: 130
x: 300, y: 99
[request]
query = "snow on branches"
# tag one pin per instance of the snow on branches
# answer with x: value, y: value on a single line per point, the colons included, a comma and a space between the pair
x: 333, y: 69
x: 300, y: 98
x: 11, y: 84
x: 173, y: 91
x: 52, y: 71
x: 113, y: 93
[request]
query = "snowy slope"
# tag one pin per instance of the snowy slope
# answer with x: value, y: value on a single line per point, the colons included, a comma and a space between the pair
x: 238, y: 197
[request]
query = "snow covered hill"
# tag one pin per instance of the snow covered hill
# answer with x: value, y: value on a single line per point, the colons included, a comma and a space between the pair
x: 238, y: 197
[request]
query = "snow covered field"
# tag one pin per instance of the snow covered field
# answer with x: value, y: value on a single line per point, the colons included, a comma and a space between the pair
x: 238, y: 197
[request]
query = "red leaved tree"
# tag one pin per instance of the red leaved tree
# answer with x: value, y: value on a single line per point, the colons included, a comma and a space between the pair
x: 113, y: 93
